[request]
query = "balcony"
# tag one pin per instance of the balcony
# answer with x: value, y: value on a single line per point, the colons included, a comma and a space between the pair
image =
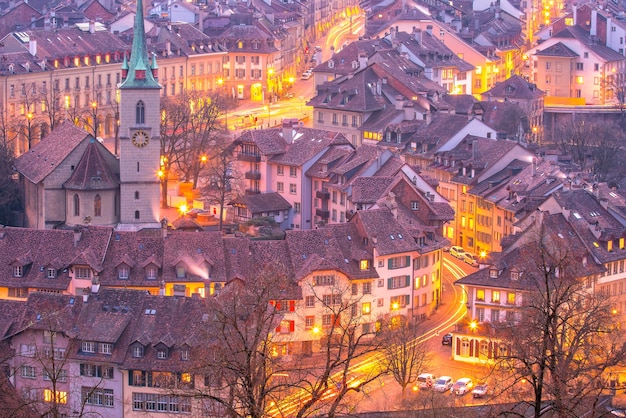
x: 322, y: 213
x: 322, y: 194
x: 252, y: 191
x: 253, y: 175
x: 254, y: 158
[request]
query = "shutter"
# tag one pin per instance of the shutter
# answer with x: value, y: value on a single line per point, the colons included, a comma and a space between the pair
x: 471, y: 353
x: 458, y: 347
x: 278, y: 305
x: 408, y: 280
x: 408, y: 261
x: 495, y: 350
x: 148, y: 381
x: 292, y: 326
x: 273, y: 303
x: 389, y: 283
x: 389, y: 264
x: 407, y: 299
x: 490, y: 350
x: 278, y: 328
x: 130, y: 377
x: 292, y: 306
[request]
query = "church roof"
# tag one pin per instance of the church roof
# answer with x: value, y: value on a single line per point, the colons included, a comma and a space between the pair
x: 140, y: 68
x: 45, y: 157
x: 92, y: 172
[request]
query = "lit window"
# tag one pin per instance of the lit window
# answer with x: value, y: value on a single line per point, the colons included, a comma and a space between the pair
x: 365, y: 264
x: 366, y: 308
x: 480, y: 294
x: 580, y: 79
x: 495, y: 296
x: 58, y: 396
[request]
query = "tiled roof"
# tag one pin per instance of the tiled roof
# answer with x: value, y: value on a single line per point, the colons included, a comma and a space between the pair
x: 263, y: 202
x: 46, y: 156
x: 48, y: 248
x: 583, y: 36
x: 432, y: 52
x: 385, y: 233
x: 557, y: 50
x: 514, y: 87
x: 306, y: 144
x: 367, y: 190
x: 92, y: 171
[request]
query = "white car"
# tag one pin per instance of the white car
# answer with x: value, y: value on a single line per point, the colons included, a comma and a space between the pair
x: 306, y: 75
x: 443, y: 384
x: 456, y: 251
x: 462, y: 386
x: 426, y: 380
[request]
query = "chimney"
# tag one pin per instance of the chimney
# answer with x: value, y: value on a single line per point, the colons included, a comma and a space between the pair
x: 32, y: 46
x: 399, y: 102
x: 362, y: 59
x: 428, y: 117
x: 78, y: 233
x: 201, y: 20
x: 164, y: 228
x: 474, y: 149
x: 417, y: 35
x: 429, y: 29
x: 92, y: 26
x: 533, y: 172
x: 288, y: 126
x: 168, y: 48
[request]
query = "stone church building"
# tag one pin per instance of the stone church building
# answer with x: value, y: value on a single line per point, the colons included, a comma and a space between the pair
x: 70, y: 179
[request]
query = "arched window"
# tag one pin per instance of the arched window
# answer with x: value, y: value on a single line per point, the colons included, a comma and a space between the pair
x: 136, y: 214
x: 97, y: 206
x: 140, y: 113
x: 76, y: 205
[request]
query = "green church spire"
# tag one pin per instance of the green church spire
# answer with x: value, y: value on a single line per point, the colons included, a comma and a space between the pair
x: 139, y: 73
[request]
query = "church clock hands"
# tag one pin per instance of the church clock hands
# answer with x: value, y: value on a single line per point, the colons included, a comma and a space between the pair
x: 140, y: 139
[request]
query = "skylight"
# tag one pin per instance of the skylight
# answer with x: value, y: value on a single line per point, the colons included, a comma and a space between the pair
x: 577, y: 215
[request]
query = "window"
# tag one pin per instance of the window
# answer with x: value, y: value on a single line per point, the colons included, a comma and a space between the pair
x: 309, y: 322
x: 140, y: 113
x: 292, y: 188
x: 60, y: 377
x: 293, y: 171
x: 76, y: 205
x: 137, y: 351
x: 397, y: 302
x: 98, y: 396
x: 58, y: 396
x: 364, y: 264
x: 151, y: 273
x: 105, y: 348
x: 366, y: 308
x: 123, y: 272
x: 495, y: 296
x: 327, y: 320
x: 88, y: 347
x: 29, y: 372
x: 296, y: 207
x: 328, y: 280
x: 480, y: 294
x: 97, y: 205
x: 398, y: 282
x: 280, y: 170
x: 18, y: 271
x: 415, y: 205
x: 49, y: 337
x: 398, y: 262
x: 309, y: 302
x: 367, y: 288
x: 161, y: 353
x: 510, y: 298
x: 280, y: 186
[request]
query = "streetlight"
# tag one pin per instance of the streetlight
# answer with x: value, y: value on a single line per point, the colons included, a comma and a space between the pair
x: 29, y: 120
x: 267, y: 107
x: 94, y: 110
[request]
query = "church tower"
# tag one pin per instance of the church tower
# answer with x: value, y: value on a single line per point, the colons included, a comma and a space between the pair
x: 140, y: 145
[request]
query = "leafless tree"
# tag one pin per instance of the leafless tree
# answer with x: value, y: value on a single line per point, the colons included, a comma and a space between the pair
x: 564, y: 340
x: 9, y: 190
x: 406, y: 354
x: 52, y: 103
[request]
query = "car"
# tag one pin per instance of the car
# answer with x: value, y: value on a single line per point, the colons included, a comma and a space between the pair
x: 306, y: 75
x: 425, y: 380
x: 462, y: 386
x: 456, y: 251
x: 443, y: 384
x: 480, y: 390
x: 446, y: 339
x: 469, y: 259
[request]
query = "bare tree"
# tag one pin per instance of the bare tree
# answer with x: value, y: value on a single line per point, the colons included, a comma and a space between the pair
x: 174, y: 116
x: 405, y: 353
x: 10, y: 196
x: 564, y: 340
x: 51, y: 99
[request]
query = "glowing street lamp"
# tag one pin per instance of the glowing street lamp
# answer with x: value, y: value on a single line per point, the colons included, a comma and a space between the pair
x: 183, y: 209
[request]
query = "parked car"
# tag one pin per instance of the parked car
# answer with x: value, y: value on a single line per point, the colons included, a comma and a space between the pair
x: 446, y: 339
x: 306, y: 75
x: 426, y: 380
x: 456, y: 251
x: 443, y: 384
x: 470, y: 259
x: 462, y: 386
x: 480, y: 390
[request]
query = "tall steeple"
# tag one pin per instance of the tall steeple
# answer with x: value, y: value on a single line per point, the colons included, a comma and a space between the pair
x: 140, y: 73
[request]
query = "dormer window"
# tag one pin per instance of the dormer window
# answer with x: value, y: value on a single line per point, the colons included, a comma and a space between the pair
x: 51, y: 273
x: 137, y: 351
x: 184, y: 354
x: 493, y: 273
x: 162, y: 353
x: 514, y: 275
x: 88, y: 347
x: 180, y: 271
x: 18, y: 271
x: 240, y: 44
x: 151, y: 273
x: 255, y: 44
x: 364, y: 264
x: 123, y: 272
x: 609, y: 245
x: 331, y: 64
x: 415, y: 205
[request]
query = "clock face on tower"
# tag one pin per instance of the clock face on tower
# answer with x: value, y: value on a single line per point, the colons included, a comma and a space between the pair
x: 140, y: 139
